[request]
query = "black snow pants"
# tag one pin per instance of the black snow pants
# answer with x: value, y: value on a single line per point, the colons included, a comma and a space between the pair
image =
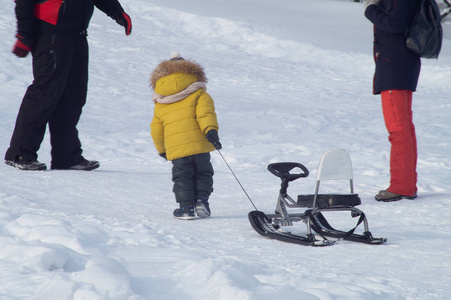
x: 192, y: 176
x: 56, y: 97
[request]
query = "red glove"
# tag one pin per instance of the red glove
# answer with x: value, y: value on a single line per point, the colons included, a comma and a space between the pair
x: 124, y: 20
x: 20, y: 48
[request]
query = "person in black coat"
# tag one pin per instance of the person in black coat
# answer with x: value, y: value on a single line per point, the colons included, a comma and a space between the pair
x: 55, y: 33
x: 395, y: 79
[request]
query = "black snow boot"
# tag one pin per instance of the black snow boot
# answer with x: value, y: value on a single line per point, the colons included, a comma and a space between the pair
x: 86, y: 165
x: 185, y: 212
x: 203, y: 207
x: 26, y: 165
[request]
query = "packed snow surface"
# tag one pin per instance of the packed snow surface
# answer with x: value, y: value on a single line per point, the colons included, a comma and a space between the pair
x: 290, y: 79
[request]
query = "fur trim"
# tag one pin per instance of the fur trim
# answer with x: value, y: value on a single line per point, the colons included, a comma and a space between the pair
x: 169, y: 67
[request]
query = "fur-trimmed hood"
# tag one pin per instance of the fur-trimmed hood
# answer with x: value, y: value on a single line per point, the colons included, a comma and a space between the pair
x: 181, y: 66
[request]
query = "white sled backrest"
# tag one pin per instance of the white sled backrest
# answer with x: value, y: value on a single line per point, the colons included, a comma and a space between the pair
x: 335, y: 165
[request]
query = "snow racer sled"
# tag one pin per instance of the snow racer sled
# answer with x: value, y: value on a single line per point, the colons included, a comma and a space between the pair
x: 334, y: 165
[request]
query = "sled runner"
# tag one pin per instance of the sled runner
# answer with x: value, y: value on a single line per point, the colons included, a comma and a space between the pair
x: 334, y: 165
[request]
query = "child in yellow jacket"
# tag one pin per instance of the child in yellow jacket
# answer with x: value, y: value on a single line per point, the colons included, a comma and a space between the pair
x: 185, y: 130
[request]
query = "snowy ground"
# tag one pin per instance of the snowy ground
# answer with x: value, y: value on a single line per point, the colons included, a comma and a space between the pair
x: 291, y: 79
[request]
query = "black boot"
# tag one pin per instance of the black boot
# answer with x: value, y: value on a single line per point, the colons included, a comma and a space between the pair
x: 86, y: 165
x: 185, y: 212
x: 26, y: 165
x: 202, y: 207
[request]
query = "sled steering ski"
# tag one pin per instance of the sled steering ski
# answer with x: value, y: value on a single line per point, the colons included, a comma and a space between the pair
x: 334, y: 165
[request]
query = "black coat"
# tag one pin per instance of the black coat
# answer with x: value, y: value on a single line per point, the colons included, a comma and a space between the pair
x: 68, y: 16
x: 397, y: 68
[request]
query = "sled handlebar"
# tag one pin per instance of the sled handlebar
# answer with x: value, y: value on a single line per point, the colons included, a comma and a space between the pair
x: 283, y: 169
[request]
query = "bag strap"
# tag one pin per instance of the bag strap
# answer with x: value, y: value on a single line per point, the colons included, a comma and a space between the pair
x: 417, y: 11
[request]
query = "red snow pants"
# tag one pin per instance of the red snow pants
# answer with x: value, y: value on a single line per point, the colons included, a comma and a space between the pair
x: 397, y: 110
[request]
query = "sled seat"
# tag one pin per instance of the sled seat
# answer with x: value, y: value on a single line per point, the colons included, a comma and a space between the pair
x: 324, y: 201
x: 334, y: 165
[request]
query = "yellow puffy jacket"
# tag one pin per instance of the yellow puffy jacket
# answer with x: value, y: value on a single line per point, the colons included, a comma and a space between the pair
x: 178, y: 129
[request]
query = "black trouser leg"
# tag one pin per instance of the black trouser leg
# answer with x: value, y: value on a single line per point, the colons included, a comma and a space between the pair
x: 52, y: 63
x: 192, y: 175
x: 66, y: 146
x: 203, y: 179
x: 183, y: 178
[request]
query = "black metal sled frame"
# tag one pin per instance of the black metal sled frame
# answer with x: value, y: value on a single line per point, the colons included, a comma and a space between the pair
x: 334, y: 165
x: 264, y: 226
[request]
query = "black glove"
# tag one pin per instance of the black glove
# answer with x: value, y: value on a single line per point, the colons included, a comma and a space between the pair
x: 20, y: 48
x: 212, y: 137
x: 124, y: 20
x: 163, y: 155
